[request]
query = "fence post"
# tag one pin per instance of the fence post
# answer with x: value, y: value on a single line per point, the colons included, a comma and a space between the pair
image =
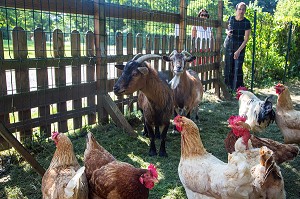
x: 218, y: 49
x: 253, y: 51
x: 182, y: 25
x: 101, y: 50
x: 287, y: 51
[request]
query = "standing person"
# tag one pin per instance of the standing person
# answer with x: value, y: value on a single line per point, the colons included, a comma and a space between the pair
x: 238, y: 33
x: 203, y: 32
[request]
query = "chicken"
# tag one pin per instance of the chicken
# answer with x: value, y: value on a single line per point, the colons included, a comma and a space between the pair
x: 64, y: 179
x: 205, y: 176
x: 282, y: 152
x: 259, y: 113
x: 112, y: 179
x: 287, y: 118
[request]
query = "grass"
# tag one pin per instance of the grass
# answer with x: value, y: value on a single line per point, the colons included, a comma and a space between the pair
x: 21, y: 181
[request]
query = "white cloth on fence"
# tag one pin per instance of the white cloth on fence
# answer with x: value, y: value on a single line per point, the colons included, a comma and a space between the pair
x: 204, y: 34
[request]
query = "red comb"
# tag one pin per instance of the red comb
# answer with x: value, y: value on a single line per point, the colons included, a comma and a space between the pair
x: 54, y: 135
x: 241, y: 88
x: 153, y: 170
x: 237, y: 129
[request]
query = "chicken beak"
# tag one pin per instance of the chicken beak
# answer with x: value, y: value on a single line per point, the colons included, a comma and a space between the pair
x: 155, y: 180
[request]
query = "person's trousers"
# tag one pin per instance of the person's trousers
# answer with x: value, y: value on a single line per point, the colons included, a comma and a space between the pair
x: 233, y: 70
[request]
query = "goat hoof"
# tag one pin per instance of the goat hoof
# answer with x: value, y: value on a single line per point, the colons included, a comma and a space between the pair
x: 163, y: 154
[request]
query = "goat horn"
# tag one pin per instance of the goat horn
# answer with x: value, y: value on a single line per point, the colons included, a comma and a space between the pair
x: 146, y: 57
x: 174, y: 51
x: 135, y: 57
x: 186, y: 53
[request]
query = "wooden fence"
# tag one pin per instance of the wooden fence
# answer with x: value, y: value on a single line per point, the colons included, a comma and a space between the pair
x: 89, y: 96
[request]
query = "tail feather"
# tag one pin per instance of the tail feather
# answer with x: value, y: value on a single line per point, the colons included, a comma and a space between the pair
x: 266, y: 112
x: 69, y: 190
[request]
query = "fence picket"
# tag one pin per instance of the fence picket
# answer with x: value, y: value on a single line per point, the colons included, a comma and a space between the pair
x: 156, y: 50
x: 60, y: 76
x: 22, y: 75
x: 76, y: 75
x: 119, y: 48
x: 42, y: 76
x: 90, y: 73
x: 130, y: 52
x: 3, y: 91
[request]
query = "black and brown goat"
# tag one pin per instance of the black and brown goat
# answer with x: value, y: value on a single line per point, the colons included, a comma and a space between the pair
x: 155, y: 97
x: 186, y: 84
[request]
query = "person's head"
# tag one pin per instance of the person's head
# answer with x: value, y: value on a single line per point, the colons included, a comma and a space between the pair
x: 203, y: 13
x: 240, y: 8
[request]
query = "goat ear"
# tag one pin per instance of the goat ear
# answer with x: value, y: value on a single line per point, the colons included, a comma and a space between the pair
x: 120, y: 66
x: 166, y: 58
x: 143, y: 70
x: 190, y: 59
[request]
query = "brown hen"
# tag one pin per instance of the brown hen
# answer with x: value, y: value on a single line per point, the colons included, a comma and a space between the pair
x: 112, y: 179
x: 64, y: 179
x: 282, y: 152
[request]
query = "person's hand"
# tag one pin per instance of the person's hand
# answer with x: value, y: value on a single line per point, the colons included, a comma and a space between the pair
x: 229, y: 32
x: 236, y: 54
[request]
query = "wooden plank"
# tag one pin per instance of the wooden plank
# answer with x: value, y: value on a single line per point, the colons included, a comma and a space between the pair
x: 22, y: 75
x: 42, y: 75
x: 101, y: 64
x: 40, y: 43
x: 129, y: 52
x: 1, y: 46
x: 218, y: 49
x: 119, y: 48
x: 19, y: 43
x: 90, y: 71
x: 164, y: 45
x: 76, y: 75
x: 23, y: 101
x: 3, y: 91
x: 60, y: 76
x: 117, y: 116
x: 19, y: 147
x: 139, y: 43
x: 129, y: 44
x: 42, y: 121
x: 148, y: 44
x: 58, y: 43
x: 156, y: 50
x: 182, y: 25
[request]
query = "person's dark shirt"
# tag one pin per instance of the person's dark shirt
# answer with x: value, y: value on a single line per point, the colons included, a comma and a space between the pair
x: 238, y: 28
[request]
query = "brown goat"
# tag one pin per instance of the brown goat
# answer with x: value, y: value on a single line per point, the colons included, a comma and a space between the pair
x: 187, y: 86
x: 155, y: 97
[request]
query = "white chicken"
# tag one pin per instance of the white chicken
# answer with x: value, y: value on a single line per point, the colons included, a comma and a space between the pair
x: 205, y: 176
x: 259, y: 113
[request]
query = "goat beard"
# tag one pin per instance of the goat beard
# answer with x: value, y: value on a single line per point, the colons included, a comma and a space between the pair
x: 175, y: 81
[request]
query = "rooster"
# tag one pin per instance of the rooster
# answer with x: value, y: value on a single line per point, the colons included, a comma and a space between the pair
x: 112, y: 179
x: 259, y: 113
x: 205, y: 176
x: 287, y: 118
x: 64, y: 179
x: 282, y: 152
